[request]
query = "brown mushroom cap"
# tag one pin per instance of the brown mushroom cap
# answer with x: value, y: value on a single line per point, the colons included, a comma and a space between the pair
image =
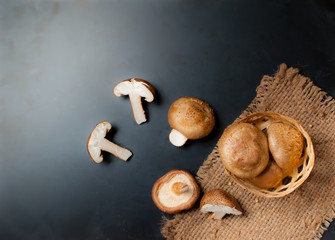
x: 167, y: 199
x: 220, y: 202
x: 271, y: 177
x: 192, y: 117
x: 244, y: 150
x: 286, y: 145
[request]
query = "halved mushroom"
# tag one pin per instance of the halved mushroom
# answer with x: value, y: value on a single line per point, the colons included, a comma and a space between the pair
x: 190, y: 118
x: 175, y: 191
x: 286, y: 145
x: 97, y: 142
x: 220, y: 203
x: 243, y: 149
x: 136, y: 89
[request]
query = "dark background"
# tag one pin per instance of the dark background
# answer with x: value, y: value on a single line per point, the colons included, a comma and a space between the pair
x: 59, y: 62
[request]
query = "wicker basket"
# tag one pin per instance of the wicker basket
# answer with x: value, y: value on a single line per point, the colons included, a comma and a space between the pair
x: 298, y: 175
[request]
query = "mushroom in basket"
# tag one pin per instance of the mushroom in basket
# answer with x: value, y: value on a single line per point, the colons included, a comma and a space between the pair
x: 244, y: 150
x: 271, y: 177
x: 286, y: 145
x: 267, y: 153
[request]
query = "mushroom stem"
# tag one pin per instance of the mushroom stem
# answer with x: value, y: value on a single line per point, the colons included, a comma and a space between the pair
x: 177, y: 138
x: 114, y: 149
x: 179, y: 188
x: 136, y: 105
x: 217, y: 215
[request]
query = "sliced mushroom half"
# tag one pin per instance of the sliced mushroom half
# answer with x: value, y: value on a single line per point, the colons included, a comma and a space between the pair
x: 136, y: 88
x: 97, y: 142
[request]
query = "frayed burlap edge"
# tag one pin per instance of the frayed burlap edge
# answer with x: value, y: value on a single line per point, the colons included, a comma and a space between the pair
x: 267, y: 85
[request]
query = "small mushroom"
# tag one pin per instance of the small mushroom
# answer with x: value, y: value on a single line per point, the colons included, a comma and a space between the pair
x: 190, y: 118
x: 97, y: 142
x: 136, y: 89
x: 220, y: 203
x: 244, y: 151
x: 175, y: 191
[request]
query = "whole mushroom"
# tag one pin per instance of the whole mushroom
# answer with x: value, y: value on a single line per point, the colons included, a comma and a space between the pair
x: 190, y: 118
x: 243, y: 149
x: 136, y: 88
x: 97, y: 142
x: 286, y: 145
x: 271, y: 177
x: 177, y: 190
x: 219, y: 203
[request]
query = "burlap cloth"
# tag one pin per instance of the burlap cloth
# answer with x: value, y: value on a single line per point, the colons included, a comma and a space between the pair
x: 304, y: 214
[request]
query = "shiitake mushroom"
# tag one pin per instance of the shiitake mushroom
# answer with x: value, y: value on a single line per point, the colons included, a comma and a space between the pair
x: 286, y: 145
x: 244, y: 150
x: 271, y: 177
x: 190, y: 118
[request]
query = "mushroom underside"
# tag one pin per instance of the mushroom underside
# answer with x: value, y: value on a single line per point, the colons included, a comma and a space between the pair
x: 176, y: 191
x: 168, y: 198
x: 219, y: 211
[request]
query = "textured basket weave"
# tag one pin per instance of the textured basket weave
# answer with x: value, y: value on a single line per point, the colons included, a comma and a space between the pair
x: 294, y: 178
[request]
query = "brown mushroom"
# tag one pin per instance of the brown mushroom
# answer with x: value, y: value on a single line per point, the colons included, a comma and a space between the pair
x: 190, y: 118
x: 97, y: 142
x: 177, y: 190
x: 244, y: 150
x: 271, y: 177
x: 286, y: 145
x: 136, y: 88
x: 220, y: 203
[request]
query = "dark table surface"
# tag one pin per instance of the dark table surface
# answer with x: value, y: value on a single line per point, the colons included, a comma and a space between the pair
x: 59, y: 62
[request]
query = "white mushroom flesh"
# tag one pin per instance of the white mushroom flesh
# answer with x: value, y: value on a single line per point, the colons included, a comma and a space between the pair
x: 97, y: 142
x: 177, y: 138
x: 97, y: 135
x: 134, y: 86
x: 135, y: 89
x: 168, y: 198
x: 114, y: 149
x: 136, y: 105
x: 220, y: 210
